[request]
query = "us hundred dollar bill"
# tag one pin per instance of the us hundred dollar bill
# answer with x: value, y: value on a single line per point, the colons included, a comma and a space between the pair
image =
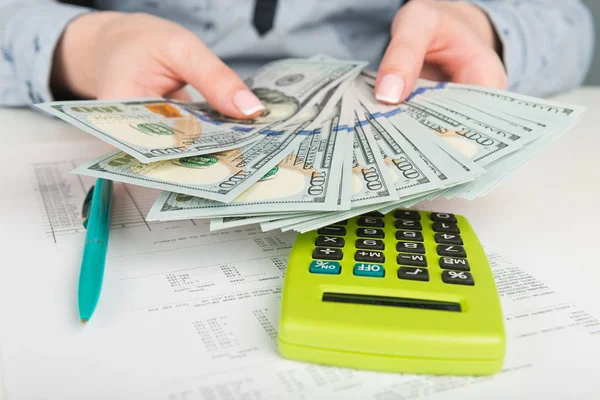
x: 307, y: 179
x: 157, y: 129
x: 469, y: 140
x: 220, y: 176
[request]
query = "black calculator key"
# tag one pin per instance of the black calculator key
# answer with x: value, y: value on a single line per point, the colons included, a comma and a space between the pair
x: 451, y: 250
x: 327, y: 253
x: 369, y: 256
x: 332, y: 230
x: 447, y: 238
x: 445, y: 227
x: 342, y: 222
x: 410, y: 247
x: 408, y: 224
x: 373, y: 214
x: 370, y: 233
x: 414, y: 274
x: 461, y: 264
x: 416, y: 260
x: 331, y: 241
x: 407, y: 214
x: 409, y: 235
x: 458, y: 277
x: 370, y: 221
x: 443, y: 217
x: 370, y: 244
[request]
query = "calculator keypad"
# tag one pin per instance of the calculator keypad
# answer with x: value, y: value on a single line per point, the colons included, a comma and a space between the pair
x: 448, y: 263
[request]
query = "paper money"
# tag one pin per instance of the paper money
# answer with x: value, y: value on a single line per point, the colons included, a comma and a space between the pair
x: 220, y: 176
x: 156, y: 129
x: 325, y: 149
x: 307, y: 179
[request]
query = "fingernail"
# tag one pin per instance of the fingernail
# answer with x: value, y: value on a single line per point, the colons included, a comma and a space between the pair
x: 247, y: 102
x: 390, y: 89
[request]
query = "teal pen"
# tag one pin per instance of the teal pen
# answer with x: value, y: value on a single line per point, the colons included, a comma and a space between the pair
x: 96, y: 220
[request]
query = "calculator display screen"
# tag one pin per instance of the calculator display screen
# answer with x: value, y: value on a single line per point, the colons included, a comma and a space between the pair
x: 391, y: 301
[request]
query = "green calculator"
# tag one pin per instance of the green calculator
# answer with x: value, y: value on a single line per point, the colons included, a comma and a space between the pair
x: 409, y: 292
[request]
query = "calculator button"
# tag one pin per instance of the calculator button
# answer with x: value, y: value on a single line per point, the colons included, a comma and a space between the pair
x: 332, y: 230
x: 371, y: 270
x: 406, y: 214
x: 416, y: 260
x: 327, y: 253
x: 445, y: 227
x: 409, y: 235
x: 342, y: 222
x: 458, y: 277
x: 369, y: 256
x: 369, y: 244
x: 454, y: 263
x: 414, y: 274
x: 410, y: 247
x: 443, y: 217
x: 325, y: 267
x: 370, y: 221
x: 332, y: 241
x: 451, y: 250
x: 408, y: 224
x: 373, y: 214
x: 370, y: 233
x: 448, y: 238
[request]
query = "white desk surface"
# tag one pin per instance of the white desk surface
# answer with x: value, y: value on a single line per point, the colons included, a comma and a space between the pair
x: 546, y: 215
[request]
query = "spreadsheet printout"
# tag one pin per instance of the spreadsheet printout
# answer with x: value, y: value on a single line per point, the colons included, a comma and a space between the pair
x: 186, y: 313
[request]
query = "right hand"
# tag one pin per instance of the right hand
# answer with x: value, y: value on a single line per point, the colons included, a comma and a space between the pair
x: 110, y: 55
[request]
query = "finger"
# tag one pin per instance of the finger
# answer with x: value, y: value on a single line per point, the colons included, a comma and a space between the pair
x: 413, y: 30
x: 123, y: 90
x: 189, y: 59
x: 484, y: 68
x: 180, y: 94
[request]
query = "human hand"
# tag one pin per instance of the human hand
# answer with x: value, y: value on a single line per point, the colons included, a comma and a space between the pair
x: 439, y: 40
x: 116, y: 55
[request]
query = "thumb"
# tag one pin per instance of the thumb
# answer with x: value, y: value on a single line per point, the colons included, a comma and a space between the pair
x: 192, y: 62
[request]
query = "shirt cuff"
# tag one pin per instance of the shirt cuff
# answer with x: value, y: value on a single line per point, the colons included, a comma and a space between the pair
x: 29, y: 40
x: 507, y: 28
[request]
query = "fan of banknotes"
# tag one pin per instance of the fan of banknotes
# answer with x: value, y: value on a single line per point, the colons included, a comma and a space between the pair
x: 323, y: 151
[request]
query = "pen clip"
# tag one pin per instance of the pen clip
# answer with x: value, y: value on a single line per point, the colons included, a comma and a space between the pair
x: 85, y: 209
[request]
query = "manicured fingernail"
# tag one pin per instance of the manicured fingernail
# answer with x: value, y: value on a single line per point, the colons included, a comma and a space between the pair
x: 247, y: 102
x: 390, y: 89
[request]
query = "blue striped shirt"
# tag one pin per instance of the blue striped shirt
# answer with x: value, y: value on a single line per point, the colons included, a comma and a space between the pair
x: 548, y: 45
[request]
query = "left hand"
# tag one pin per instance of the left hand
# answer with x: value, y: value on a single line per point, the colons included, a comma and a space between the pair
x: 441, y: 40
